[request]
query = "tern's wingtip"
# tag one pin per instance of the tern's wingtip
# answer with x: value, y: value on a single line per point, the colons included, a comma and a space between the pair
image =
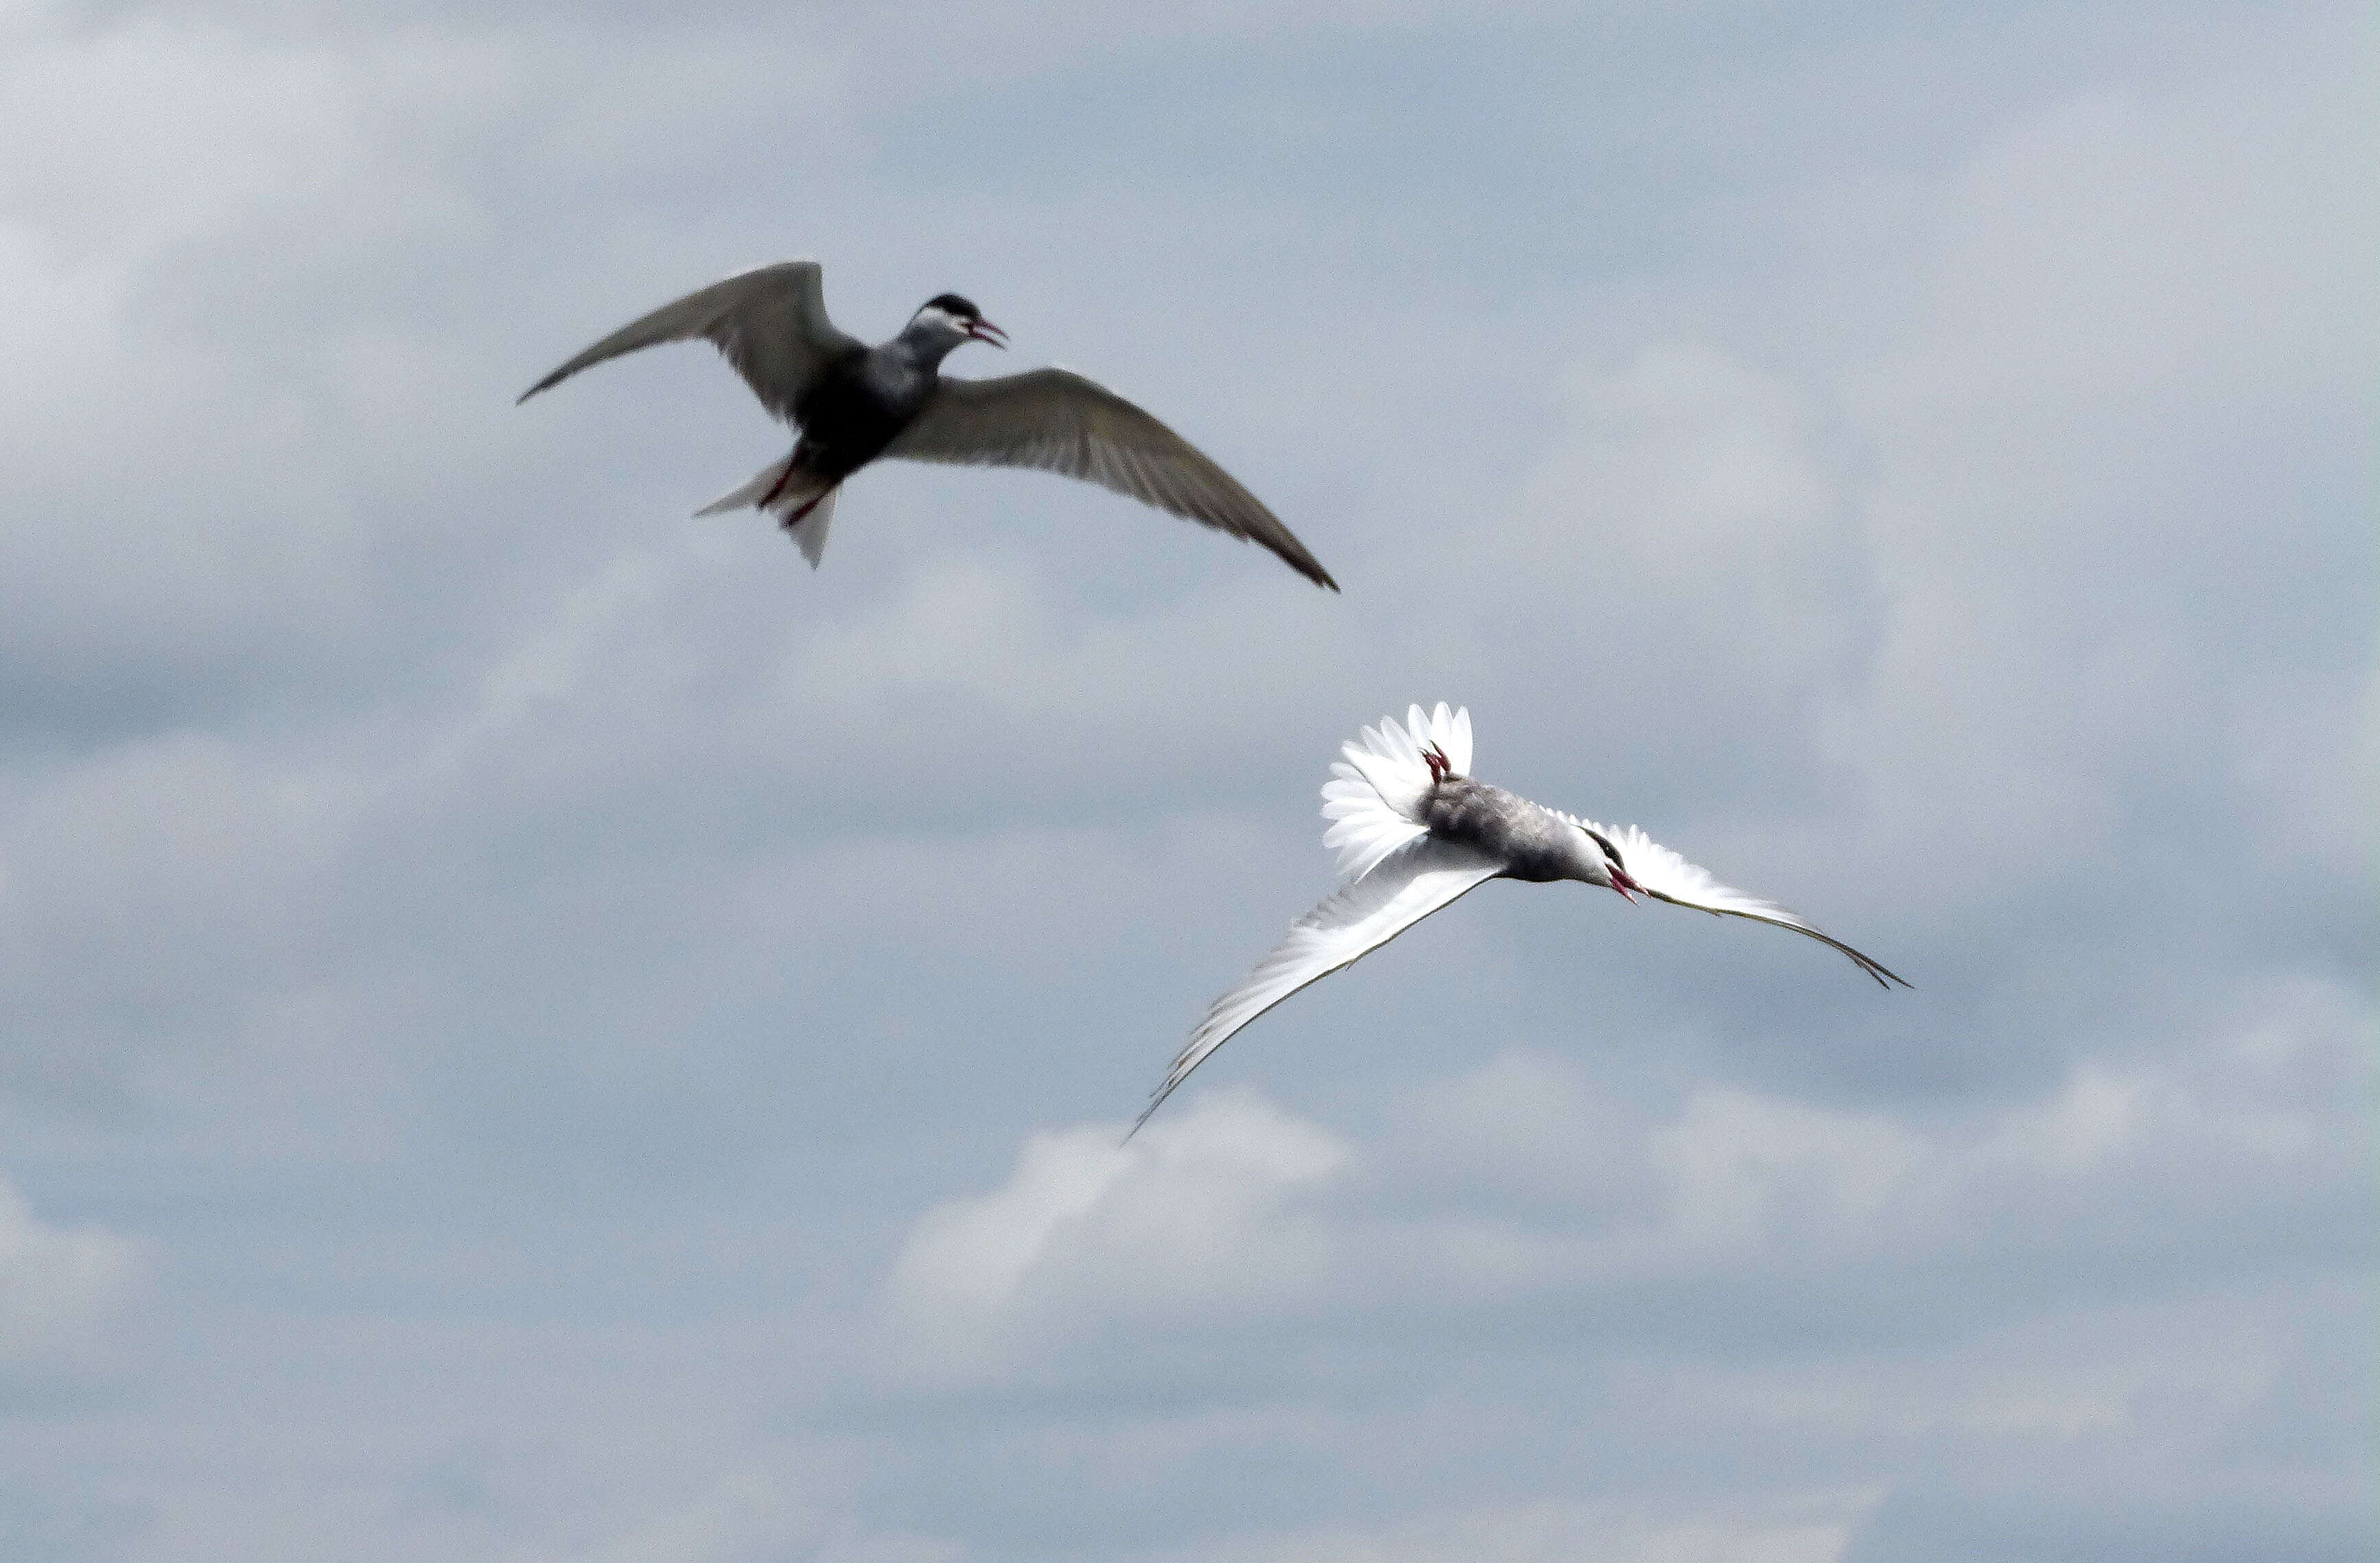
x: 1885, y: 976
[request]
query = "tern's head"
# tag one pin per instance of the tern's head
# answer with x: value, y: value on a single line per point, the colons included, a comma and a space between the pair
x: 1600, y: 863
x: 946, y: 320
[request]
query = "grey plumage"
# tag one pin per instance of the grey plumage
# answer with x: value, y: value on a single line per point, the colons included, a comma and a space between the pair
x: 854, y: 403
x: 1531, y: 842
x: 1058, y: 422
x: 770, y: 323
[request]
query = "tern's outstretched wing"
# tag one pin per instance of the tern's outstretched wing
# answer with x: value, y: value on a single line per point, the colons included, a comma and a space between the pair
x: 1056, y: 420
x: 1666, y: 877
x: 771, y: 322
x: 1409, y: 885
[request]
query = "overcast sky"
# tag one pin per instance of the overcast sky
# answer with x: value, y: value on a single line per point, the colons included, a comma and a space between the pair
x: 537, y: 1029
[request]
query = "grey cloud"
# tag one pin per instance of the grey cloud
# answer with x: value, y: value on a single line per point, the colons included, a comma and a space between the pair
x: 524, y: 964
x: 57, y: 1287
x: 2240, y: 1142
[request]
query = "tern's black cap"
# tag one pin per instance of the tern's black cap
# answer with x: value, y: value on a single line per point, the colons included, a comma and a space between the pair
x: 952, y: 304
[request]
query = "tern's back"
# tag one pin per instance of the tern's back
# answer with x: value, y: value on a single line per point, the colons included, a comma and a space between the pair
x: 1531, y: 842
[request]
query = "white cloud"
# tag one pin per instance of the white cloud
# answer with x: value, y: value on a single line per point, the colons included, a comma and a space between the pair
x: 1805, y: 1528
x: 2127, y: 287
x: 777, y: 1504
x: 1687, y: 508
x: 1743, y: 1171
x: 1235, y: 1211
x: 2093, y: 1369
x: 59, y: 1287
x: 188, y: 829
x: 1196, y: 1217
x: 1703, y: 484
x: 152, y: 893
x: 1530, y: 1123
x: 155, y: 129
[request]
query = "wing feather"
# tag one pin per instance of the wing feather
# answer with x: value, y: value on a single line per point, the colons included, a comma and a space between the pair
x: 771, y: 322
x: 1055, y: 420
x: 1665, y: 876
x: 1365, y: 828
x: 1352, y: 923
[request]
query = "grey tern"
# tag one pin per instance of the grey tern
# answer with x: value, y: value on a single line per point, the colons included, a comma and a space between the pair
x: 1414, y: 832
x: 852, y: 404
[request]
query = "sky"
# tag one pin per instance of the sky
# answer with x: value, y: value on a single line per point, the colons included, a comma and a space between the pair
x: 538, y: 1029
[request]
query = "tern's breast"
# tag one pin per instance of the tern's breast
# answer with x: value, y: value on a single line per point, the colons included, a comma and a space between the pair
x: 853, y: 410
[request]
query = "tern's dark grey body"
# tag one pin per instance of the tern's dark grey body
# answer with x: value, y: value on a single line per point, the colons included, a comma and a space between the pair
x: 854, y: 404
x: 860, y: 402
x: 1534, y: 844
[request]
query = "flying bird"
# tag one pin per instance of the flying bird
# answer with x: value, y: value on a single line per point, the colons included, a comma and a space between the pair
x: 852, y: 404
x: 1414, y: 832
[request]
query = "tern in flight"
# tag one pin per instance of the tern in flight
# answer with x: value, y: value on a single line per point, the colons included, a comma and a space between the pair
x: 1414, y: 833
x: 853, y: 402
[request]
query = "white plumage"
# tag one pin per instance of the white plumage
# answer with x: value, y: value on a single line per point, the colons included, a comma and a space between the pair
x: 1414, y: 833
x: 1375, y: 792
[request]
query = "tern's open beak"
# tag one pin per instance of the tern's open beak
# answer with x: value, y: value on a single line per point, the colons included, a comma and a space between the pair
x: 984, y: 331
x: 1624, y: 885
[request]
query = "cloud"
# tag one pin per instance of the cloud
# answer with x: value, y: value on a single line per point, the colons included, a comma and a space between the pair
x: 1524, y: 1182
x: 1196, y: 1217
x: 779, y: 1504
x: 2076, y: 385
x: 1802, y: 1528
x: 145, y: 890
x: 59, y: 1287
x: 523, y: 961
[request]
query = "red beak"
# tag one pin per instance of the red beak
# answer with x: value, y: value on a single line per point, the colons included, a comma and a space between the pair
x: 984, y: 331
x: 1624, y: 885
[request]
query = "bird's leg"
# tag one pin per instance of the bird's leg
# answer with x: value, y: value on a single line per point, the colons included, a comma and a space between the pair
x: 794, y: 517
x: 1440, y: 768
x: 778, y: 488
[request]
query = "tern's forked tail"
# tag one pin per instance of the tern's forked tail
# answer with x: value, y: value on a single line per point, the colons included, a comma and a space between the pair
x: 1374, y: 798
x: 802, y: 505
